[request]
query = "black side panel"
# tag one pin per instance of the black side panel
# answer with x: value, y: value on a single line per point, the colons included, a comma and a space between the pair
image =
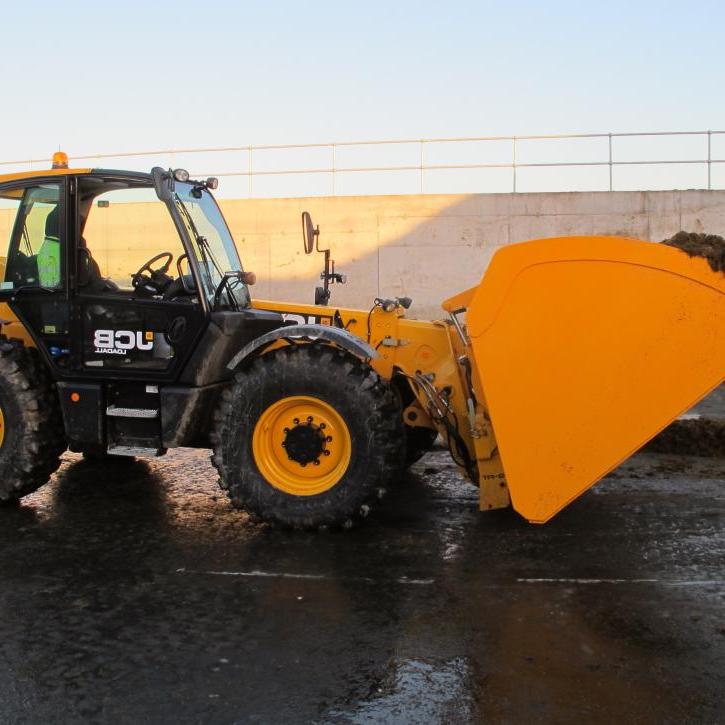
x: 186, y: 415
x: 46, y: 319
x: 225, y: 336
x: 126, y: 337
x: 83, y: 413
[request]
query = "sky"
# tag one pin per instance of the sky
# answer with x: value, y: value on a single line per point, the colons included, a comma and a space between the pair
x: 96, y: 77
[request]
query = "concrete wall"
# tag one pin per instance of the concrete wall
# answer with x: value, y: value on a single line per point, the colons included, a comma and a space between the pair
x: 429, y: 247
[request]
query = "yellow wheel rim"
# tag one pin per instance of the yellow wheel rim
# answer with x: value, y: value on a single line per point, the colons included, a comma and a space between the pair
x: 301, y: 445
x: 2, y: 427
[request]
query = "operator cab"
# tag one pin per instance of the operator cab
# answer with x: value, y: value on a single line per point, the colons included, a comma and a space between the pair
x: 124, y: 273
x: 129, y: 244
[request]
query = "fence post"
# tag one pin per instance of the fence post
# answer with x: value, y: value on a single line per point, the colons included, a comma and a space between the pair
x: 709, y: 160
x: 249, y: 171
x: 611, y: 186
x: 513, y: 165
x: 422, y: 161
x: 334, y: 160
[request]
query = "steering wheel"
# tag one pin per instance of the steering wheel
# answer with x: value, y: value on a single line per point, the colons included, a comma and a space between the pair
x: 156, y: 281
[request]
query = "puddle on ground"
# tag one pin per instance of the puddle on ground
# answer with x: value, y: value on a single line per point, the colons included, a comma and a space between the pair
x: 414, y: 691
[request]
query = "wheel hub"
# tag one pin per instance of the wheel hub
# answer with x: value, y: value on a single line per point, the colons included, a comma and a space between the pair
x: 2, y: 427
x: 304, y: 443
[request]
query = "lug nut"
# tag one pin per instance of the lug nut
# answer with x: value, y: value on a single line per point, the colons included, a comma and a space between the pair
x: 296, y: 421
x: 284, y: 444
x: 286, y: 430
x: 309, y: 419
x: 327, y: 453
x: 322, y: 426
x: 328, y: 439
x: 317, y: 461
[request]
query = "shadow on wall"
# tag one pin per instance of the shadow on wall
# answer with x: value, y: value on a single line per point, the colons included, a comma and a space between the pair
x: 429, y: 247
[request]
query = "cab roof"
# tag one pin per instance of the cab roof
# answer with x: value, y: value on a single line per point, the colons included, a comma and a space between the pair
x: 46, y: 173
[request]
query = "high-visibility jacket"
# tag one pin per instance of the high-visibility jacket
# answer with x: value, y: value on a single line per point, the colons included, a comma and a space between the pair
x: 49, y: 262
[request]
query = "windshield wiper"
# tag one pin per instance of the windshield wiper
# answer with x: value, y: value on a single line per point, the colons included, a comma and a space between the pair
x: 197, y: 237
x: 225, y: 278
x: 208, y: 256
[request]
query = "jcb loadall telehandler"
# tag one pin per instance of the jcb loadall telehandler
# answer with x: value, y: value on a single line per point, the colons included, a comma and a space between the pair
x: 569, y: 356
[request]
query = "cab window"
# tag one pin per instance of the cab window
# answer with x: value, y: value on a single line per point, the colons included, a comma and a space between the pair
x: 123, y: 225
x: 30, y: 237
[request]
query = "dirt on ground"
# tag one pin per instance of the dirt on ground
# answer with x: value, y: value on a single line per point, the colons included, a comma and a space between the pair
x: 709, y: 246
x: 697, y: 437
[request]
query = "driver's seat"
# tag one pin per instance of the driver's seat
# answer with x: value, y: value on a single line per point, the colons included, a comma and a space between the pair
x: 95, y: 282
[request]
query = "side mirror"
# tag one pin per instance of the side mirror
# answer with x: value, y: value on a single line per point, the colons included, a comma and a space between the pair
x: 311, y: 236
x: 322, y: 296
x: 163, y: 183
x: 309, y: 232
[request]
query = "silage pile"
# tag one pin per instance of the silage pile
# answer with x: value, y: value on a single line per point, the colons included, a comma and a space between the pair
x: 694, y: 437
x: 709, y: 246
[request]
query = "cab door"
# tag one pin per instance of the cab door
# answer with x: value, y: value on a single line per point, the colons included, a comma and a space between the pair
x: 129, y: 331
x: 34, y: 299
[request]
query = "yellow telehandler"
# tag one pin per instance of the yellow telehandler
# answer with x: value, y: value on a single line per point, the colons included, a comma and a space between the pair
x: 128, y: 328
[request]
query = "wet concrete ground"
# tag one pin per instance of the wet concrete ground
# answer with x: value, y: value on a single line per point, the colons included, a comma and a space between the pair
x: 137, y: 595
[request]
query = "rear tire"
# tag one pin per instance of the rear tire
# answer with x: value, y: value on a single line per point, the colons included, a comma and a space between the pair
x: 272, y: 450
x: 32, y: 437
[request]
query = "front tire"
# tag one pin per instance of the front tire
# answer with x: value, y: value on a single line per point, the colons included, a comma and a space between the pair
x: 31, y: 426
x: 308, y: 437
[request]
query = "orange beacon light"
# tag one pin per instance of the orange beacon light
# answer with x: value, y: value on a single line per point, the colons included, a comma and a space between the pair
x: 60, y: 160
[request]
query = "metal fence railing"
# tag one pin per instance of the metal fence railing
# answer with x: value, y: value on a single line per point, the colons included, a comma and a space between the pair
x: 601, y: 156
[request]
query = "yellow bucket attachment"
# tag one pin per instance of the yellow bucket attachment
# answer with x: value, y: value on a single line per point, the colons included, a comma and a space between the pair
x: 587, y: 347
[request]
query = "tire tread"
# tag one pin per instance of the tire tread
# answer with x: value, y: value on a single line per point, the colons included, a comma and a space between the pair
x: 38, y: 438
x: 365, y: 390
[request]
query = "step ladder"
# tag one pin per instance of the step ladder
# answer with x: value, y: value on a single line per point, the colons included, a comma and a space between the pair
x: 134, y: 431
